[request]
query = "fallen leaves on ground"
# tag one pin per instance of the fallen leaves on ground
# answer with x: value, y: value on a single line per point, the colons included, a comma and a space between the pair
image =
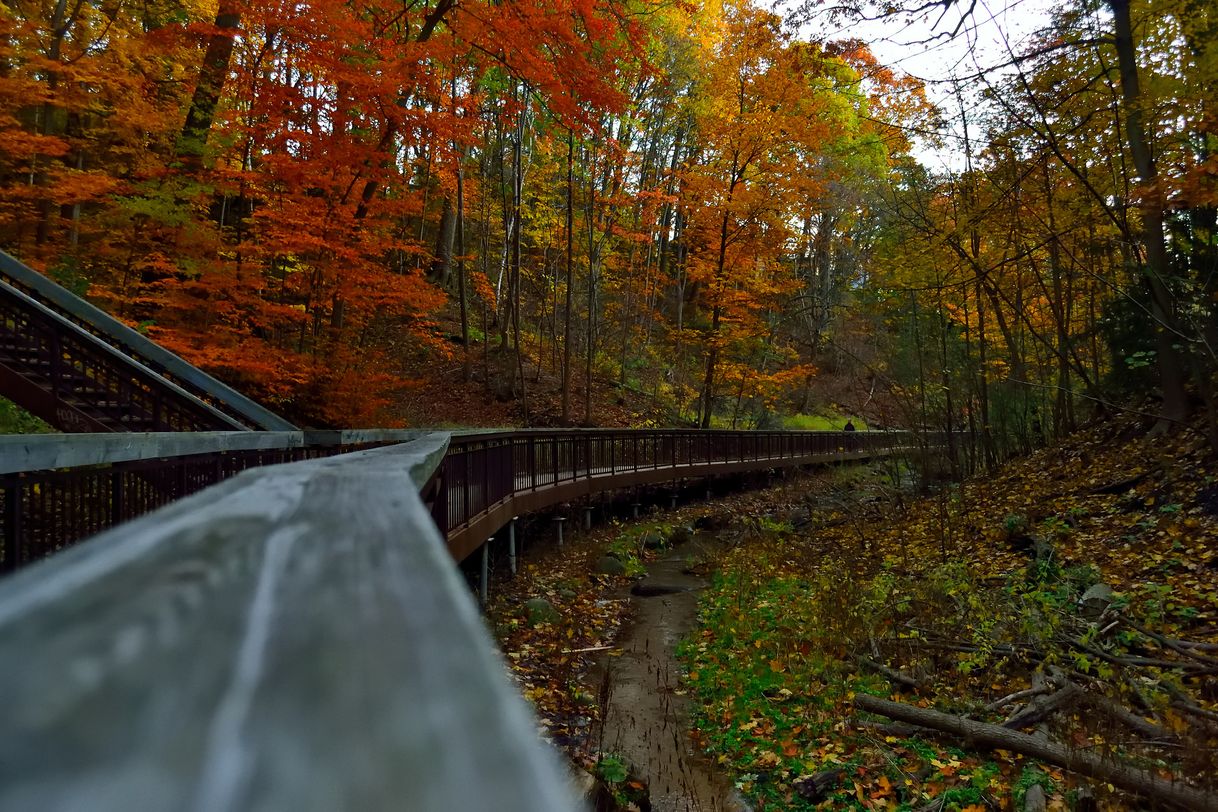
x: 960, y: 601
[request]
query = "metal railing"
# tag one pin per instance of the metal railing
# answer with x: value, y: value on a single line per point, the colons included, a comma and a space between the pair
x: 77, y: 382
x: 485, y: 479
x: 80, y: 369
x: 56, y: 490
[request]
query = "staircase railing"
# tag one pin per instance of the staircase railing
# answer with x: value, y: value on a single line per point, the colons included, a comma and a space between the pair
x: 165, y: 389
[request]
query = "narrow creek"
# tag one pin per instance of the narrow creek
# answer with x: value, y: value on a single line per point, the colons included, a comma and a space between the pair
x: 646, y: 720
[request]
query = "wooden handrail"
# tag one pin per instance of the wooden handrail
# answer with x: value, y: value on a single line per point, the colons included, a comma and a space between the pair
x: 293, y: 638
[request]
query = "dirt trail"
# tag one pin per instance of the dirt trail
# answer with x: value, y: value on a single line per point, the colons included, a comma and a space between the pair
x: 646, y: 722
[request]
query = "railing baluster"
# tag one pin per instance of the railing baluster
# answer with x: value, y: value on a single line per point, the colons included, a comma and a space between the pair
x: 477, y: 481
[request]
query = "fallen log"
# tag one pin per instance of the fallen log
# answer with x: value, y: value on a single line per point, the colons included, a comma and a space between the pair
x: 1114, y: 710
x: 1043, y: 707
x: 1018, y: 696
x: 894, y: 676
x: 982, y: 735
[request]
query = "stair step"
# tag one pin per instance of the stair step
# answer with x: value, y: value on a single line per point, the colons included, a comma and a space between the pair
x: 33, y: 363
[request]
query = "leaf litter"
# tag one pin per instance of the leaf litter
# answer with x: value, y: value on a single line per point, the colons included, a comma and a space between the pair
x: 1092, y: 565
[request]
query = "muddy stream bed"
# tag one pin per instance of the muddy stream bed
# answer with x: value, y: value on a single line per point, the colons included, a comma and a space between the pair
x: 646, y: 716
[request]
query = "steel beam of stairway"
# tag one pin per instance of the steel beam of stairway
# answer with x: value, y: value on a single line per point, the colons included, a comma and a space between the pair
x: 80, y: 369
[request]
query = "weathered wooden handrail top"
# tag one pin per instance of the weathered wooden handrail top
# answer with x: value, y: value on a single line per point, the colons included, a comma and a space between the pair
x: 294, y: 638
x: 40, y: 452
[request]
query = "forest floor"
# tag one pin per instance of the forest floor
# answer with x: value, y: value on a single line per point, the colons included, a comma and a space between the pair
x: 1068, y: 600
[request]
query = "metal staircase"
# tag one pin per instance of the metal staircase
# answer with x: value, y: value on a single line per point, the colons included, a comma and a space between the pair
x: 81, y: 370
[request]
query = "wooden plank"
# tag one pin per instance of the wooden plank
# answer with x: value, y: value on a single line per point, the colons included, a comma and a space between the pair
x: 295, y: 638
x: 361, y: 436
x: 42, y: 452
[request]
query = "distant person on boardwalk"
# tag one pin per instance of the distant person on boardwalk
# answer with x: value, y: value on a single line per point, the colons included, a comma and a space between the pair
x: 852, y: 443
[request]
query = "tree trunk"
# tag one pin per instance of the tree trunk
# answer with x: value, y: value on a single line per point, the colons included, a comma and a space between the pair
x: 712, y: 355
x: 566, y: 324
x: 441, y: 266
x: 981, y: 735
x: 1171, y: 368
x: 462, y: 295
x: 212, y: 75
x: 514, y: 293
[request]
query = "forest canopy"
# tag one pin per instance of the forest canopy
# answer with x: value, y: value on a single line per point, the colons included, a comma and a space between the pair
x: 322, y: 202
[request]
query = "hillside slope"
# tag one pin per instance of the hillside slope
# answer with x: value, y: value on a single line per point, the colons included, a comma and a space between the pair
x: 1072, y: 596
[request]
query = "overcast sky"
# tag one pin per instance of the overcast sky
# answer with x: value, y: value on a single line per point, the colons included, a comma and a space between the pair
x: 924, y: 46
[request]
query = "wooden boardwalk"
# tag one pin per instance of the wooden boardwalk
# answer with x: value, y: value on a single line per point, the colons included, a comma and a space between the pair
x: 275, y: 634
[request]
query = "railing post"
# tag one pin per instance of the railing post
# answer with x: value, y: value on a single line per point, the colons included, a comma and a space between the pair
x: 485, y: 574
x: 510, y: 459
x: 512, y: 544
x: 439, y: 506
x: 12, y: 526
x: 116, y: 497
x: 486, y: 476
x: 532, y: 463
x: 56, y: 370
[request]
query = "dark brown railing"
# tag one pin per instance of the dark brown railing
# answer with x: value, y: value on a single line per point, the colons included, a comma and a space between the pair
x: 486, y: 479
x: 93, y: 482
x: 57, y: 490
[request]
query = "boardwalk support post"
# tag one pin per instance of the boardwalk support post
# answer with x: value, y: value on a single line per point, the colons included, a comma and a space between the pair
x: 485, y: 572
x: 512, y: 544
x: 558, y: 520
x: 588, y: 516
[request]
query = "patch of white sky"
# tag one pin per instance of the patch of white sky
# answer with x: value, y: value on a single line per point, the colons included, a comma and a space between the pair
x: 962, y: 44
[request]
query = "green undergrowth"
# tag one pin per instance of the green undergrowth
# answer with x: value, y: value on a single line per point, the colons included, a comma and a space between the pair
x: 773, y: 675
x: 636, y: 544
x: 15, y: 420
x: 790, y: 635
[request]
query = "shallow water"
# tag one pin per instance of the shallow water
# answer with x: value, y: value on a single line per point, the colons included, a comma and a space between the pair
x: 646, y: 721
